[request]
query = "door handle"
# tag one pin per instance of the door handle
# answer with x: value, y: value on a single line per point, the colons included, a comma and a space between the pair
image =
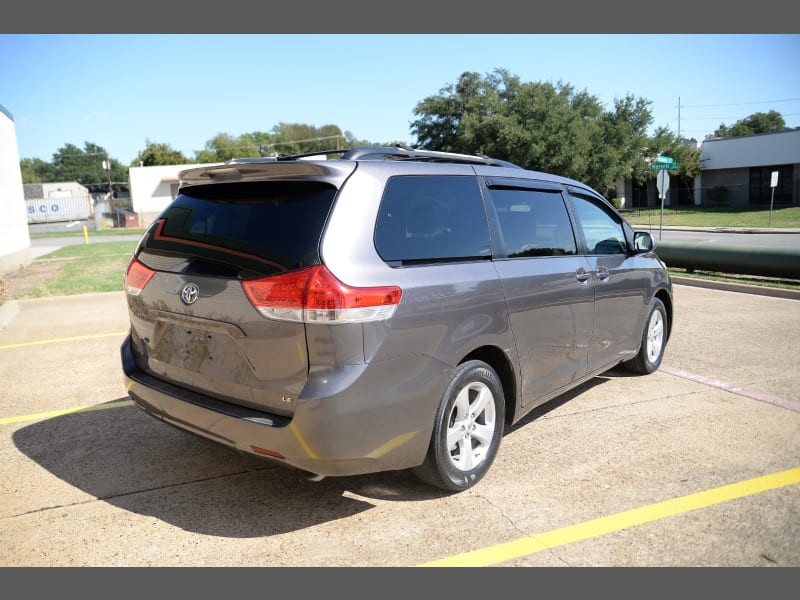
x: 583, y: 275
x: 602, y: 273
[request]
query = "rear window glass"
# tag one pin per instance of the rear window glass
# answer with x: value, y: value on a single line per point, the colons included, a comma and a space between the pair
x: 243, y: 230
x: 427, y: 218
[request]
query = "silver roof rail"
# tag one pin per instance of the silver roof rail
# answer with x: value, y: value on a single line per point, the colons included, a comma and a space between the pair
x: 398, y: 152
x: 408, y: 153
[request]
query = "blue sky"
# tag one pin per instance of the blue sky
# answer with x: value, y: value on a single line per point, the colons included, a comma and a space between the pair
x: 118, y: 91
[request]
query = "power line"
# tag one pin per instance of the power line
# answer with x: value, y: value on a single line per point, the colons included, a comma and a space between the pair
x: 80, y: 154
x: 316, y: 139
x: 736, y: 103
x: 736, y: 117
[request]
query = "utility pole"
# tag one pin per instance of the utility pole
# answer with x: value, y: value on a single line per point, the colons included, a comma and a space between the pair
x: 107, y: 167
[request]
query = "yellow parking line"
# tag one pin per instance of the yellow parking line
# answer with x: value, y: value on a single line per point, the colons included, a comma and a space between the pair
x: 66, y: 339
x: 597, y: 527
x: 66, y: 411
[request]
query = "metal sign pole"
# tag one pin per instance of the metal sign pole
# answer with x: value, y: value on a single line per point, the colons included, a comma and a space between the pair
x: 662, y: 166
x: 771, y: 201
x: 773, y: 184
x: 662, y: 183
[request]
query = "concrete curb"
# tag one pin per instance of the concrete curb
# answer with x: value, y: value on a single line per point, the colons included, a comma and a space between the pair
x: 737, y: 287
x: 742, y: 230
x: 8, y: 311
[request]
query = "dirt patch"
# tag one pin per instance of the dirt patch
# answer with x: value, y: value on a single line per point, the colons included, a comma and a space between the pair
x: 21, y: 283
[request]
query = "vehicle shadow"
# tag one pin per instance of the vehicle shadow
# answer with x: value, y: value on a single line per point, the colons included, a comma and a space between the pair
x: 563, y: 399
x: 119, y: 455
x: 124, y: 457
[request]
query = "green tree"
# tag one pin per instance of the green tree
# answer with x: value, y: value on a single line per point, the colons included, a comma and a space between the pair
x: 759, y: 122
x: 35, y: 170
x: 84, y: 166
x: 70, y: 163
x: 223, y: 147
x: 685, y: 151
x: 299, y: 138
x: 459, y: 117
x: 159, y: 154
x: 624, y: 142
x: 539, y: 126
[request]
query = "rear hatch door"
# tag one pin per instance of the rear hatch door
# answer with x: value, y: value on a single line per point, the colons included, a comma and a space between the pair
x: 192, y: 324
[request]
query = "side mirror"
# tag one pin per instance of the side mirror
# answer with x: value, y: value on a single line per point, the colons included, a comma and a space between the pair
x: 643, y: 242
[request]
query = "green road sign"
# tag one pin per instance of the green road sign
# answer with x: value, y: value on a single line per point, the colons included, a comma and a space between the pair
x: 664, y: 166
x: 667, y: 160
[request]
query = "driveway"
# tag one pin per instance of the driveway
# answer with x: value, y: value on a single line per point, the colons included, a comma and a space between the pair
x: 697, y: 464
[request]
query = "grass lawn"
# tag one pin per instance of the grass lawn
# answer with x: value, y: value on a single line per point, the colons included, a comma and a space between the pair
x: 79, y: 233
x: 787, y: 284
x: 78, y: 269
x: 787, y: 217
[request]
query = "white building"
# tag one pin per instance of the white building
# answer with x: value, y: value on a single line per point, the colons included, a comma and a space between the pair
x: 153, y: 188
x: 735, y: 172
x: 738, y: 171
x: 15, y: 243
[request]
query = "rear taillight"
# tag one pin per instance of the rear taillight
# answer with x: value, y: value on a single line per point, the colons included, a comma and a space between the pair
x: 136, y: 277
x: 314, y: 295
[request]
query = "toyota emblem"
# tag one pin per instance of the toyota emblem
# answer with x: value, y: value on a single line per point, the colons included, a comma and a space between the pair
x: 189, y: 293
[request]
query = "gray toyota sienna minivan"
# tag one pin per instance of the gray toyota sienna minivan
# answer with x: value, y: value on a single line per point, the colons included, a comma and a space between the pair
x: 387, y: 308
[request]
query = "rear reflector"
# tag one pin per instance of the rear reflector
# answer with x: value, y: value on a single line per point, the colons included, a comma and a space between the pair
x: 136, y: 277
x: 266, y: 452
x: 314, y: 295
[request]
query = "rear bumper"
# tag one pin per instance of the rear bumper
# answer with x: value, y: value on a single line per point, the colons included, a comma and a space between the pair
x: 348, y: 432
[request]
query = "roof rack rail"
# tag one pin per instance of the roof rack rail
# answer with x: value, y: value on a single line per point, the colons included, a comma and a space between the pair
x: 256, y: 159
x: 398, y: 152
x: 403, y: 152
x: 281, y: 157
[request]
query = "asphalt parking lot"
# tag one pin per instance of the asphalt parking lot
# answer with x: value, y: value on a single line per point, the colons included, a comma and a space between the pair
x: 697, y: 464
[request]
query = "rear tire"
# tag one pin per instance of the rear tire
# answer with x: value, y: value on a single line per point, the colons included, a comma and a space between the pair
x: 467, y: 430
x: 654, y: 340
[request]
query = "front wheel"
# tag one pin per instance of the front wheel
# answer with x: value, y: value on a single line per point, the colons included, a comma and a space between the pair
x: 467, y: 430
x: 654, y: 340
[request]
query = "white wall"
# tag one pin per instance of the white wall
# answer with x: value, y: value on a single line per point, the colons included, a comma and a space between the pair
x: 15, y: 243
x: 762, y: 150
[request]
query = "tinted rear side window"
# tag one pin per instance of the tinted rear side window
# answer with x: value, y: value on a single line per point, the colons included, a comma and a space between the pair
x: 431, y: 219
x: 240, y: 229
x: 533, y: 223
